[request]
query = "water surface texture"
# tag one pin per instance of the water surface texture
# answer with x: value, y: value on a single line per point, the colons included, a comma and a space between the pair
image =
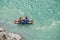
x: 45, y: 13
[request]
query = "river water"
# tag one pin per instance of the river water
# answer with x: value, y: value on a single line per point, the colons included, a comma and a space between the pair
x: 45, y: 15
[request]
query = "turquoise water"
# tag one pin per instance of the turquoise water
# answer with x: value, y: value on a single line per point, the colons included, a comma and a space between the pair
x: 45, y: 13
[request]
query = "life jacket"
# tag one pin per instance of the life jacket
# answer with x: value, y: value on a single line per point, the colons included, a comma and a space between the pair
x: 27, y: 21
x: 19, y: 21
x: 23, y: 21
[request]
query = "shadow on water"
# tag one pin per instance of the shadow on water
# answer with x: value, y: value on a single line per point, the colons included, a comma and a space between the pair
x: 24, y: 25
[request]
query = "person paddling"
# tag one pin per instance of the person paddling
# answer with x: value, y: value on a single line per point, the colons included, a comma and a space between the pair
x: 18, y: 21
x: 27, y: 20
x: 23, y: 21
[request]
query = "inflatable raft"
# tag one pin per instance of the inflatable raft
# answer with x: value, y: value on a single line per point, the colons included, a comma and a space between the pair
x: 23, y: 21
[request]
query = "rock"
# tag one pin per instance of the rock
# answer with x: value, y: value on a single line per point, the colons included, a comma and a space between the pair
x: 9, y: 36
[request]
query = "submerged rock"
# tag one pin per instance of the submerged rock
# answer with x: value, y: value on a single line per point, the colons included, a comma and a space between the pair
x: 9, y: 36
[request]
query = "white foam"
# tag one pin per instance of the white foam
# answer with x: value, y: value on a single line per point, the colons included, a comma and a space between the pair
x: 10, y: 23
x: 53, y: 24
x: 58, y: 21
x: 22, y: 13
x: 2, y: 21
x: 37, y: 28
x: 45, y: 27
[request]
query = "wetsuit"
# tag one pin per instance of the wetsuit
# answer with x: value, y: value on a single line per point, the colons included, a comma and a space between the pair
x: 23, y: 21
x: 27, y: 21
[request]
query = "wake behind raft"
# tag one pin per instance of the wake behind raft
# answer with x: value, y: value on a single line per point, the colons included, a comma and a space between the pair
x: 26, y: 20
